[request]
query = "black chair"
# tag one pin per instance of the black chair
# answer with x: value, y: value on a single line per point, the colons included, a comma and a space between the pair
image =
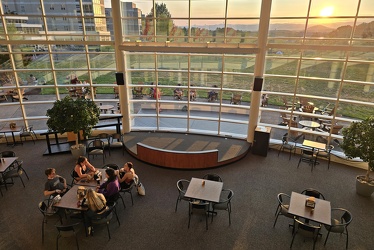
x: 106, y: 217
x: 340, y: 220
x: 308, y: 156
x: 74, y: 179
x: 182, y: 186
x: 128, y: 190
x: 7, y: 154
x: 282, y: 208
x: 66, y: 231
x: 47, y: 210
x: 224, y: 203
x: 96, y: 147
x: 115, y: 197
x: 111, y: 165
x: 105, y: 137
x: 306, y: 230
x: 213, y: 177
x: 116, y: 141
x: 326, y: 154
x: 15, y: 173
x: 314, y: 193
x: 28, y: 131
x: 197, y: 207
x: 288, y: 144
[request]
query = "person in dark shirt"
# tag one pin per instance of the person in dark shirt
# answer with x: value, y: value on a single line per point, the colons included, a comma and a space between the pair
x: 55, y: 183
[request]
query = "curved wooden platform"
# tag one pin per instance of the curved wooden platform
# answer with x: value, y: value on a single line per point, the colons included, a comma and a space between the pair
x: 184, y: 151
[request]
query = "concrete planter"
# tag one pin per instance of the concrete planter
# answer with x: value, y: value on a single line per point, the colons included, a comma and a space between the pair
x: 364, y: 188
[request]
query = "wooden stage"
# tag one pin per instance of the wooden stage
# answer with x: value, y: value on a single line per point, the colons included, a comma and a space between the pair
x: 184, y: 151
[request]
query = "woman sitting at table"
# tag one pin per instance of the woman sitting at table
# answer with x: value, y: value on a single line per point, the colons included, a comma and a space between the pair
x: 83, y: 169
x: 126, y: 175
x: 96, y: 203
x: 111, y: 187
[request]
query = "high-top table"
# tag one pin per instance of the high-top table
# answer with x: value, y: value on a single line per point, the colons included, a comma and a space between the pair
x: 321, y: 213
x: 314, y: 144
x: 209, y: 191
x: 5, y: 130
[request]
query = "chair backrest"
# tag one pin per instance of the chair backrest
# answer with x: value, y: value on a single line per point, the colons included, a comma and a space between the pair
x: 226, y: 195
x: 281, y: 199
x: 66, y: 228
x: 97, y: 143
x: 336, y: 128
x: 111, y: 165
x: 345, y: 218
x: 6, y: 154
x: 117, y: 137
x: 182, y: 185
x: 313, y: 192
x: 213, y: 177
x: 307, y: 230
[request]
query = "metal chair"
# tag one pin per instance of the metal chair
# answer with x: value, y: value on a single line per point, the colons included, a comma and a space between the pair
x: 326, y: 154
x: 106, y: 139
x: 282, y: 208
x: 339, y: 223
x: 236, y: 99
x: 196, y: 207
x: 47, y: 211
x: 306, y: 230
x: 224, y: 203
x: 116, y: 141
x: 6, y: 154
x: 106, y: 217
x: 96, y: 147
x: 28, y: 131
x: 213, y: 177
x: 15, y: 172
x: 309, y: 156
x: 182, y: 186
x: 128, y: 190
x: 314, y: 193
x: 66, y: 231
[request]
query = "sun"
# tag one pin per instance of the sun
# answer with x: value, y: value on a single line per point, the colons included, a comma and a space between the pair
x: 327, y: 11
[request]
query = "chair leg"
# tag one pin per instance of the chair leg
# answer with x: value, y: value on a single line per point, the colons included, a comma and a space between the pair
x: 327, y: 236
x: 275, y: 222
x: 25, y: 173
x: 58, y: 236
x: 176, y: 205
x: 132, y: 201
x: 107, y: 227
x: 21, y: 180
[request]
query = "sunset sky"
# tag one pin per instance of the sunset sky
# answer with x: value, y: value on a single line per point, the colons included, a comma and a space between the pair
x: 251, y: 8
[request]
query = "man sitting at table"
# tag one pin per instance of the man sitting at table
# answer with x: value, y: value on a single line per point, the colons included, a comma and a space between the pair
x: 55, y: 183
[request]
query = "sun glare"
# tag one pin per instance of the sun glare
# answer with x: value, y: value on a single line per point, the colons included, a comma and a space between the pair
x: 327, y: 11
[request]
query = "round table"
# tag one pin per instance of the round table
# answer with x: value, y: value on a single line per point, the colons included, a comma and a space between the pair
x: 309, y: 124
x: 105, y: 108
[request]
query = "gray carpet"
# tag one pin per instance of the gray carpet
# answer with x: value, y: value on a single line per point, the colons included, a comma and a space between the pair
x: 152, y: 223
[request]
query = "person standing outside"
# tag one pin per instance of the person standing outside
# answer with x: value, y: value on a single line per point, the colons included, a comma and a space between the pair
x: 55, y: 183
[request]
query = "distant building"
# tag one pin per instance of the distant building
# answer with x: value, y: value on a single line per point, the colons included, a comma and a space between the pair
x: 69, y: 10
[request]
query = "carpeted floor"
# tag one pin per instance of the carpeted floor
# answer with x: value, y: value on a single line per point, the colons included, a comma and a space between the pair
x: 152, y: 223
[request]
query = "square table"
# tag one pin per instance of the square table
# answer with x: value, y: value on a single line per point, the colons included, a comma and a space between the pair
x: 70, y: 200
x: 92, y: 182
x: 314, y: 144
x: 210, y: 191
x: 8, y: 161
x: 11, y: 130
x: 320, y: 214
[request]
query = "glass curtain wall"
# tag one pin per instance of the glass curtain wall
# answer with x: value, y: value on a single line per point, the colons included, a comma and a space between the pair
x: 190, y: 64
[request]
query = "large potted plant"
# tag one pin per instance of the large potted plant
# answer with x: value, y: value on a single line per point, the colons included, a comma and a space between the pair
x: 358, y: 141
x: 73, y: 115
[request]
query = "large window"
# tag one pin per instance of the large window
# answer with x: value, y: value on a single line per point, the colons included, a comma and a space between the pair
x: 190, y: 65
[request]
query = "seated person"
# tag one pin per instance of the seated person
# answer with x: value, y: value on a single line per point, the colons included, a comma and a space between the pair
x: 111, y: 187
x: 178, y: 93
x: 96, y: 204
x: 55, y: 183
x: 212, y: 94
x: 151, y: 91
x: 264, y: 100
x: 192, y: 94
x: 126, y: 175
x: 83, y: 169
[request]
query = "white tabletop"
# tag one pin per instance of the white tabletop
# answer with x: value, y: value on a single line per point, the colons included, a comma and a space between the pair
x: 210, y: 191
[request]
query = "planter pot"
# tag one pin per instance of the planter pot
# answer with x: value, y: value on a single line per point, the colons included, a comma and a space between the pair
x: 80, y: 151
x: 363, y: 188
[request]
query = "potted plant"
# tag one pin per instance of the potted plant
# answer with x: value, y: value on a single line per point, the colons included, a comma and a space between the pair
x: 73, y: 115
x: 358, y: 141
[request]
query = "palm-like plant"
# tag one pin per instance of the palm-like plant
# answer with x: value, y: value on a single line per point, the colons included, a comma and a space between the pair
x: 358, y: 141
x: 69, y: 115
